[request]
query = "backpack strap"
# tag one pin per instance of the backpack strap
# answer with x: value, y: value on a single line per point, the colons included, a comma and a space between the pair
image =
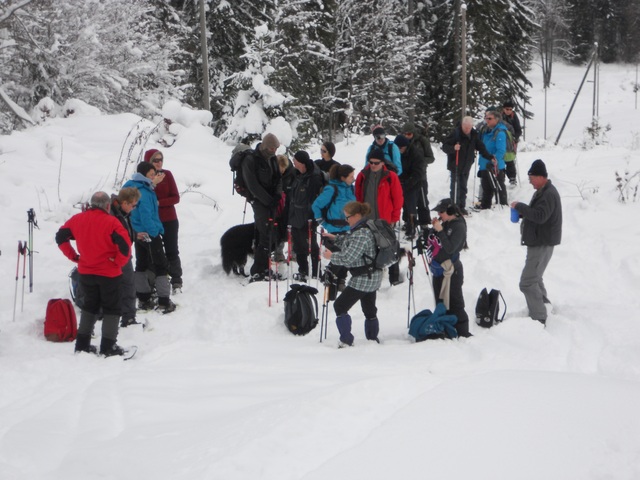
x: 325, y: 210
x: 505, y: 306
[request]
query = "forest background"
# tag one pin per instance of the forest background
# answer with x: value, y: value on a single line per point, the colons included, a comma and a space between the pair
x: 327, y: 68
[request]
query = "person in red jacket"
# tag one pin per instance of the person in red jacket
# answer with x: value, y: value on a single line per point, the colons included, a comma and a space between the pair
x: 168, y: 197
x: 104, y: 247
x: 381, y: 189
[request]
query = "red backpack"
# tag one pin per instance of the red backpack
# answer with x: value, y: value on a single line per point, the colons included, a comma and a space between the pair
x: 60, y: 324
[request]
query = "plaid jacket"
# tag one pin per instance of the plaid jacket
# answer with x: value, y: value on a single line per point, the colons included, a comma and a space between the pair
x: 353, y: 247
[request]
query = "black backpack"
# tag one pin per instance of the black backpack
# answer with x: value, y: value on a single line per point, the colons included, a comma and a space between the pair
x: 387, y: 248
x: 241, y: 152
x: 301, y: 309
x: 488, y: 308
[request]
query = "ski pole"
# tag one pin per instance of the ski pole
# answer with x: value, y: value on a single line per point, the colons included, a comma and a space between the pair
x: 288, y: 255
x: 310, y: 262
x: 31, y: 216
x: 15, y: 294
x: 324, y: 319
x: 455, y: 181
x: 515, y: 159
x: 24, y: 272
x: 319, y: 272
x: 269, y: 257
x: 411, y: 263
x: 244, y: 211
x: 275, y: 225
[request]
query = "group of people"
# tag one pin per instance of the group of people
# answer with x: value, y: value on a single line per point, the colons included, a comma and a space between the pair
x: 142, y: 214
x: 334, y: 198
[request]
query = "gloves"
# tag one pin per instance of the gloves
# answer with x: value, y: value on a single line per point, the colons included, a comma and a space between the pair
x: 433, y: 247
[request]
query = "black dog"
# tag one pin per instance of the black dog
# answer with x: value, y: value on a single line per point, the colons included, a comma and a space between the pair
x: 236, y: 244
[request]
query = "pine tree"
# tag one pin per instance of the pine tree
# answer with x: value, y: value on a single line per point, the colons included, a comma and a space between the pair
x: 256, y: 103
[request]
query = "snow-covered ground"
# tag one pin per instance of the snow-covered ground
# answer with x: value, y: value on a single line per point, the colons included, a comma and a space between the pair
x: 220, y: 390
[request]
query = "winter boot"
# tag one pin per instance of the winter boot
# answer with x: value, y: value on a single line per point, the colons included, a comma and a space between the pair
x: 83, y: 344
x: 371, y: 329
x: 343, y: 323
x: 125, y: 322
x: 166, y: 305
x: 109, y: 348
x: 145, y: 302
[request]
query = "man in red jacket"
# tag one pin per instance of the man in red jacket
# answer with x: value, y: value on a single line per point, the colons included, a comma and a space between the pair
x: 381, y: 189
x: 104, y: 248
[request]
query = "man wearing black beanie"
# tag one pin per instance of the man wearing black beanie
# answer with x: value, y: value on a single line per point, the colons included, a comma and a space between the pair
x: 541, y: 231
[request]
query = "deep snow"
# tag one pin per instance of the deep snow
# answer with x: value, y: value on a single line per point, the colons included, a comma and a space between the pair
x: 220, y: 390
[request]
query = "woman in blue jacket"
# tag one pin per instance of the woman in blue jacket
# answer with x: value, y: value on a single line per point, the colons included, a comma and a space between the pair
x: 150, y: 256
x: 334, y: 197
x: 492, y: 171
x: 328, y: 209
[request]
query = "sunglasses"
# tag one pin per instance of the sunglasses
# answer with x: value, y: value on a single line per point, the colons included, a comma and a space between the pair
x: 381, y: 137
x: 347, y: 217
x: 156, y: 160
x: 374, y: 163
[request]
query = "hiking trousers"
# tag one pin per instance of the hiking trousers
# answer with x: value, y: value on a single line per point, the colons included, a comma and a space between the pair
x: 531, y: 283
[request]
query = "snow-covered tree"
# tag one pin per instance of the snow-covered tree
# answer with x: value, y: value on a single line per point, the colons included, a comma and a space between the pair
x: 109, y: 54
x: 256, y: 103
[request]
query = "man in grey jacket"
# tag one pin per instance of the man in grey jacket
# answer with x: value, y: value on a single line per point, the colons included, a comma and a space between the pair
x: 541, y: 231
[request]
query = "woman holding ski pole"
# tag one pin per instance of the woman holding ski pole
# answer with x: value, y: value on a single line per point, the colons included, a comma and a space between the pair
x: 447, y: 240
x: 353, y: 250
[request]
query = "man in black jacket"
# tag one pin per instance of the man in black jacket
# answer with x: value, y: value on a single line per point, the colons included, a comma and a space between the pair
x: 304, y: 191
x: 461, y: 146
x: 262, y: 177
x: 541, y: 231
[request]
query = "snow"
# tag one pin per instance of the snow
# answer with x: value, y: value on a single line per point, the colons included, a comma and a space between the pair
x: 220, y: 390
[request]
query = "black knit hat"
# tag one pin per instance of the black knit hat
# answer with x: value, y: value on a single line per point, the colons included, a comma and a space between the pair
x: 538, y: 169
x: 377, y: 154
x: 377, y: 130
x: 508, y: 103
x: 401, y: 141
x: 303, y: 157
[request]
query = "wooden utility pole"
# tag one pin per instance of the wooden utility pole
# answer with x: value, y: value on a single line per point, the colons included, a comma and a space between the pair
x: 205, y: 59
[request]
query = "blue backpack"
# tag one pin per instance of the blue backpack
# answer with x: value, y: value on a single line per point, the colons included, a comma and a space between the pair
x: 431, y: 325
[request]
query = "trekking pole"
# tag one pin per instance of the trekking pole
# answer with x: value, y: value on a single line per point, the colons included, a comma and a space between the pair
x: 288, y: 255
x: 319, y: 272
x: 455, y: 181
x: 324, y: 319
x: 31, y: 215
x: 475, y: 176
x: 244, y: 211
x: 275, y: 225
x: 310, y: 263
x: 515, y: 159
x: 269, y: 258
x: 15, y: 294
x: 411, y: 263
x: 496, y: 184
x: 24, y: 272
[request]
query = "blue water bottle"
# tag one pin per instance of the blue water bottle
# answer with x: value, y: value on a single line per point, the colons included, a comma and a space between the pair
x: 515, y: 216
